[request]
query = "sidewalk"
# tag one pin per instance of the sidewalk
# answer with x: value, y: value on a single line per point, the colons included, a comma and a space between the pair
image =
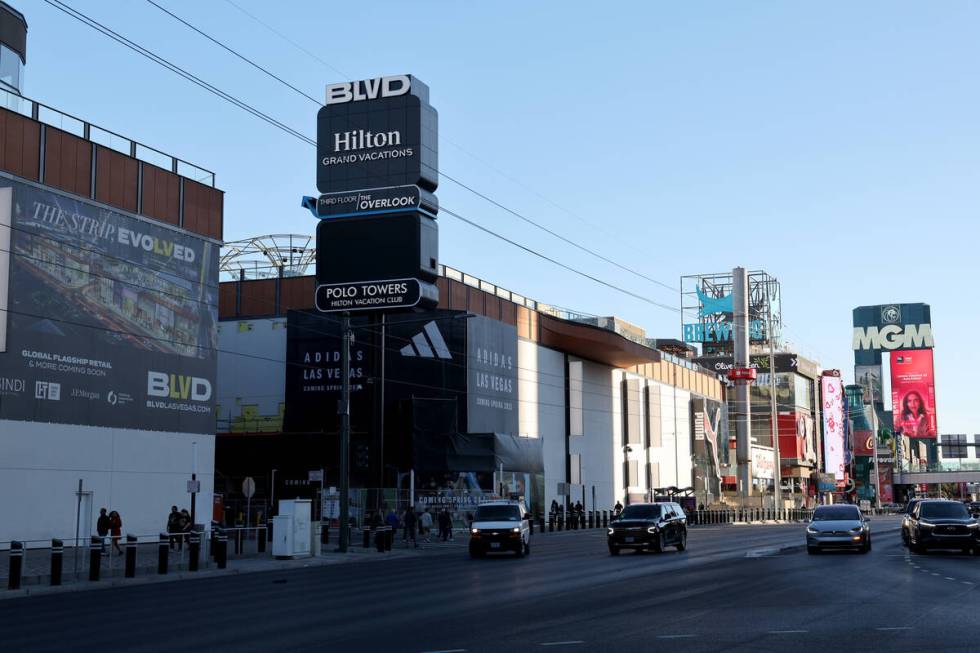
x: 36, y: 576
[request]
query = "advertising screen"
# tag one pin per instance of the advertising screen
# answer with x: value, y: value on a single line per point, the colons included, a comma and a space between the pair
x: 913, y: 393
x: 111, y: 318
x: 491, y: 373
x: 832, y: 397
x: 869, y: 378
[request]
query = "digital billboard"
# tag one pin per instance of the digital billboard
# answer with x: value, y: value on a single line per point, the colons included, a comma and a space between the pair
x: 111, y: 319
x: 491, y: 376
x: 913, y: 393
x: 832, y: 405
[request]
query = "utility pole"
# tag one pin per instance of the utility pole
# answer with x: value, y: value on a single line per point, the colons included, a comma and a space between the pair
x: 345, y: 432
x: 774, y: 415
x: 743, y: 433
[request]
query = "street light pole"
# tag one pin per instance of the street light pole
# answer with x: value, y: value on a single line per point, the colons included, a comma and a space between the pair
x: 774, y: 416
x: 344, y: 432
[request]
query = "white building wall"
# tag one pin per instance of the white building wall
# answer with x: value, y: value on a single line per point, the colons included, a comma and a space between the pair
x: 601, y: 446
x: 138, y: 473
x: 541, y: 407
x: 251, y: 367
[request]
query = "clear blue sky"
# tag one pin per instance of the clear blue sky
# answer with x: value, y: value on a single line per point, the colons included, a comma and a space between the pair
x: 835, y: 145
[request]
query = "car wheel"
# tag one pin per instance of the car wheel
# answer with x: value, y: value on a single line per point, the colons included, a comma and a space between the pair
x: 661, y: 543
x: 475, y: 554
x: 527, y: 548
x: 812, y: 550
x: 915, y: 547
x: 613, y: 550
x: 867, y: 546
x: 682, y: 543
x: 520, y: 550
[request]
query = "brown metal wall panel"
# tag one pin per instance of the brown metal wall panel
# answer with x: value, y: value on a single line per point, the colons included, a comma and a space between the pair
x: 491, y: 306
x: 67, y: 162
x: 445, y: 299
x: 161, y: 194
x: 523, y: 322
x: 474, y: 302
x: 20, y: 145
x: 203, y: 209
x: 508, y: 313
x: 258, y: 298
x: 296, y: 293
x: 459, y: 300
x: 227, y: 292
x: 116, y: 178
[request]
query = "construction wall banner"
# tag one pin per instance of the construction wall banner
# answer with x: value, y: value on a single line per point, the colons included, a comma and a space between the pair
x: 832, y: 398
x: 112, y: 319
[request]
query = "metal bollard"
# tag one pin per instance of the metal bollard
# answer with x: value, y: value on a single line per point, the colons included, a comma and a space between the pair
x: 530, y: 523
x: 130, y: 556
x: 542, y: 524
x: 16, y: 565
x: 57, y: 560
x: 581, y: 519
x: 551, y: 522
x: 238, y: 541
x: 591, y: 519
x: 561, y: 520
x: 379, y: 539
x: 163, y: 554
x: 389, y: 537
x: 195, y: 551
x: 94, y: 558
x: 221, y: 549
x: 260, y: 539
x: 367, y: 538
x: 605, y: 519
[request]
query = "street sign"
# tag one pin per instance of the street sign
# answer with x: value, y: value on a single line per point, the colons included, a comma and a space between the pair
x: 248, y: 487
x: 331, y: 508
x: 746, y: 374
x: 193, y: 486
x: 316, y: 476
x: 374, y: 295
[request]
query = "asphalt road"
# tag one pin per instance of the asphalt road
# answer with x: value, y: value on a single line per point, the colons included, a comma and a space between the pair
x: 728, y: 592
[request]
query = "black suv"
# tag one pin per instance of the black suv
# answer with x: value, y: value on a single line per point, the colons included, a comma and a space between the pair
x: 906, y: 519
x: 942, y: 525
x: 648, y: 526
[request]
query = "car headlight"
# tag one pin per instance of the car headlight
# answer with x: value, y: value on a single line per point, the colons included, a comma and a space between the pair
x: 474, y: 531
x: 652, y: 529
x: 811, y: 530
x: 857, y: 529
x: 610, y: 531
x: 973, y: 525
x: 515, y: 530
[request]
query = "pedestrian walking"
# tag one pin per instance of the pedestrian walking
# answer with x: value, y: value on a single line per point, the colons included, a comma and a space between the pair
x: 411, y: 526
x: 425, y: 525
x: 554, y: 507
x: 618, y: 508
x: 445, y: 525
x: 115, y: 530
x: 392, y: 521
x: 173, y: 527
x: 578, y: 507
x: 184, y: 526
x: 102, y: 525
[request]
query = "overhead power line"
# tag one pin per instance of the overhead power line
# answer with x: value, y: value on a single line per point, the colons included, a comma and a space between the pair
x: 61, y: 6
x: 459, y: 183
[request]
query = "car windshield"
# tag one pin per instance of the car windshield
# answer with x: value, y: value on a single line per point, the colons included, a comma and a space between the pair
x: 836, y: 513
x: 943, y: 510
x: 498, y: 513
x: 640, y: 512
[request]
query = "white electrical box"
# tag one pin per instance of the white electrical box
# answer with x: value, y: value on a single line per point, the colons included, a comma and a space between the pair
x: 291, y: 529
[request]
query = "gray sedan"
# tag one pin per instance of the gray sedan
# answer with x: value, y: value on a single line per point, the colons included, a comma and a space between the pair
x: 838, y: 527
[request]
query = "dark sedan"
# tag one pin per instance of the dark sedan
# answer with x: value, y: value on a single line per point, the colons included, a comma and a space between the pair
x: 652, y: 526
x: 943, y: 525
x: 838, y: 527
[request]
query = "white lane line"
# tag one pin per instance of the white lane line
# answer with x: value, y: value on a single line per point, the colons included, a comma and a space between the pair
x: 948, y: 578
x: 448, y: 650
x: 787, y: 632
x: 934, y: 573
x: 896, y: 628
x: 675, y: 636
x: 966, y: 582
x: 570, y: 642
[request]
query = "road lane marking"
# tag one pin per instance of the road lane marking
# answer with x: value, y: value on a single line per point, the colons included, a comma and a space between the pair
x: 675, y: 636
x: 934, y: 573
x: 571, y: 642
x: 787, y: 632
x: 448, y: 650
x: 948, y: 578
x: 966, y: 582
x: 896, y: 628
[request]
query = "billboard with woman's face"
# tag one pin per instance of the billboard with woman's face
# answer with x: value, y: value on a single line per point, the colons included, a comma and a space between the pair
x: 913, y: 393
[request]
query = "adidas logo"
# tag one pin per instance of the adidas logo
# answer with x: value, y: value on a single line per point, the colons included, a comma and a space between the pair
x: 420, y: 345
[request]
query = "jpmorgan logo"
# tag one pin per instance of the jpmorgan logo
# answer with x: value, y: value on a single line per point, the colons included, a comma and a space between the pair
x: 892, y: 336
x: 368, y: 89
x: 177, y: 386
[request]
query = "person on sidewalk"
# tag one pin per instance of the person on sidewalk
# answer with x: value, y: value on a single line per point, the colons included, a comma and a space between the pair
x: 115, y: 530
x: 445, y: 524
x: 618, y: 508
x: 425, y: 525
x: 102, y: 528
x: 554, y: 507
x: 392, y: 521
x: 173, y: 527
x: 411, y: 526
